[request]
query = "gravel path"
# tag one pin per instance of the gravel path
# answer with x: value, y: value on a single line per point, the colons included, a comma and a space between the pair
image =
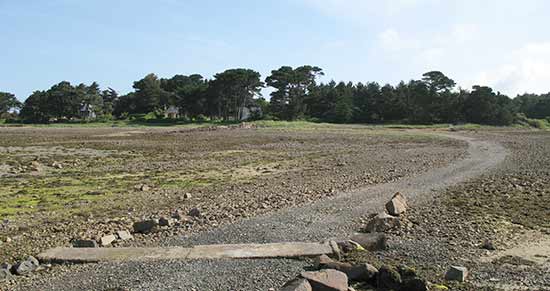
x: 330, y: 218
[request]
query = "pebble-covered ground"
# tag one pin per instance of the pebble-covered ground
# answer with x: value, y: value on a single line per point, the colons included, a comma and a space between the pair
x: 60, y: 184
x: 508, y: 207
x: 337, y: 215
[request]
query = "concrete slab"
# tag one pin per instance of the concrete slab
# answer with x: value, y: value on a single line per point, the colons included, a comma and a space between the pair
x: 249, y: 251
x: 239, y: 251
x: 95, y: 255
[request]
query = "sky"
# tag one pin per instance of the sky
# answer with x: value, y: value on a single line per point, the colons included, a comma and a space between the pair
x: 504, y: 44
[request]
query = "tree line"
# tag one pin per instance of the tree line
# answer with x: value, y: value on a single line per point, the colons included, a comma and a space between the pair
x: 296, y: 94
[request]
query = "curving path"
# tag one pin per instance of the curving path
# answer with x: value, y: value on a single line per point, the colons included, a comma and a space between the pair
x: 330, y: 218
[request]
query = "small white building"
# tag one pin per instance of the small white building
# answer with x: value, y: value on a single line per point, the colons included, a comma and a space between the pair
x: 87, y: 111
x: 172, y: 112
x: 249, y: 112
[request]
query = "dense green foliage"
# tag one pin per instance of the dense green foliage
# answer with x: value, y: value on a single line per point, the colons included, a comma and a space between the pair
x: 64, y: 101
x: 293, y: 86
x: 296, y: 95
x: 223, y: 97
x: 8, y: 103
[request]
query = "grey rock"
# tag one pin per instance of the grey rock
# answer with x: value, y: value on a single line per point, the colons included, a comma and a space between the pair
x: 298, y: 284
x: 327, y: 280
x: 414, y: 284
x: 27, y: 266
x: 85, y: 243
x: 362, y: 272
x: 5, y: 275
x: 488, y: 245
x: 371, y: 241
x: 57, y: 165
x: 321, y: 261
x: 388, y: 279
x: 457, y: 273
x: 396, y: 207
x: 107, y: 240
x: 177, y: 214
x: 124, y: 235
x: 145, y: 226
x: 382, y: 222
x: 6, y: 266
x: 398, y: 196
x: 194, y: 212
x: 163, y: 221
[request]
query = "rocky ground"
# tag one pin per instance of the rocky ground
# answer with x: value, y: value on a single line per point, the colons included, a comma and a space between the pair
x: 505, y: 208
x: 473, y: 224
x: 61, y: 184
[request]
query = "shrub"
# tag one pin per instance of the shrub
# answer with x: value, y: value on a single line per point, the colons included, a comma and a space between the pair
x: 150, y: 115
x: 537, y: 123
x: 201, y: 118
x: 314, y: 120
x: 104, y: 118
x: 136, y: 116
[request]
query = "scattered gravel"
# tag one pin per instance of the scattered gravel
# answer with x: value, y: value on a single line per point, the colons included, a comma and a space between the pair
x: 227, y: 175
x: 507, y: 206
x: 335, y: 216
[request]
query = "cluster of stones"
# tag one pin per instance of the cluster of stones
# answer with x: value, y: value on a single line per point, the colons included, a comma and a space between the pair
x: 178, y: 217
x: 104, y: 241
x: 34, y: 166
x: 333, y: 275
x: 393, y: 218
x: 145, y: 226
x: 21, y: 268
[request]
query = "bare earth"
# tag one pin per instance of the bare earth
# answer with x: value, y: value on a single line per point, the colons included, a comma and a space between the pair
x: 255, y: 185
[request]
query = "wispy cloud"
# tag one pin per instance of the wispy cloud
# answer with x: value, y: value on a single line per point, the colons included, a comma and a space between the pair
x: 528, y: 70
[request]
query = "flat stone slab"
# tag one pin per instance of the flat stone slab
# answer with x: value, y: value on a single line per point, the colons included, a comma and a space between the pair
x: 237, y: 251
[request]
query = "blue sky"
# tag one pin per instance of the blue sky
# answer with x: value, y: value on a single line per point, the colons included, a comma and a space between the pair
x: 501, y: 43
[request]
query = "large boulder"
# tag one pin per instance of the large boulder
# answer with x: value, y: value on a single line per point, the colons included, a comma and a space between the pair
x: 145, y: 226
x: 298, y: 284
x: 327, y: 280
x: 382, y: 222
x: 397, y: 205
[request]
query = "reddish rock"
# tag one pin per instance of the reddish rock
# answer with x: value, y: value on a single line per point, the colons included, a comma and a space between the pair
x: 327, y: 280
x: 299, y: 284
